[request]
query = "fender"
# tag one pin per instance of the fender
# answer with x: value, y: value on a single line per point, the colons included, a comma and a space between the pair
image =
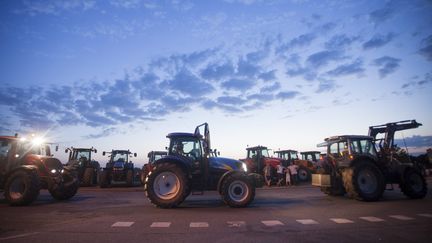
x: 33, y: 168
x: 183, y: 162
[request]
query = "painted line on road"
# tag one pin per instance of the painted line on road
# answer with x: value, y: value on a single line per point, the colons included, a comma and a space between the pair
x: 401, y: 217
x: 427, y: 215
x: 372, y: 219
x: 160, y: 225
x: 18, y: 236
x: 122, y: 224
x: 307, y: 221
x: 199, y: 225
x: 236, y: 224
x: 271, y: 223
x: 341, y: 221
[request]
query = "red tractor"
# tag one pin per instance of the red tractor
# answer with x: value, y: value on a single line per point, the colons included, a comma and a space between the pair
x: 26, y: 166
x: 258, y: 157
x: 307, y: 164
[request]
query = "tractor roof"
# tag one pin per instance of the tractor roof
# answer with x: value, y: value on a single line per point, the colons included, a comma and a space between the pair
x: 257, y: 148
x: 343, y: 137
x: 157, y: 153
x: 286, y: 151
x: 310, y: 152
x: 182, y: 134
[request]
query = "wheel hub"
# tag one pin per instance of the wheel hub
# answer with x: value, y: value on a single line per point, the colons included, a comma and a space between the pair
x: 367, y: 181
x: 238, y: 191
x: 166, y: 185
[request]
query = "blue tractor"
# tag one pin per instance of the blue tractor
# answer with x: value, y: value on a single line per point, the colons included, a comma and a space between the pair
x: 189, y: 168
x: 119, y: 169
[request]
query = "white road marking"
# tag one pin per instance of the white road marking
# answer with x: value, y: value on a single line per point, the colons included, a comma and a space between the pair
x: 160, y: 225
x: 198, y: 225
x: 122, y: 224
x: 401, y: 217
x: 307, y: 221
x: 272, y: 222
x: 236, y: 224
x: 372, y: 219
x: 18, y: 236
x: 428, y: 215
x: 341, y: 221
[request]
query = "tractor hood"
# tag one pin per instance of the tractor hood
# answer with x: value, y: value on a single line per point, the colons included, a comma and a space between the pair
x: 225, y: 163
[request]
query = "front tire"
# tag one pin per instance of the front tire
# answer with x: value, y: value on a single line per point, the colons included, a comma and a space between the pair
x: 413, y: 184
x: 303, y: 174
x: 67, y: 189
x: 88, y: 177
x: 237, y: 191
x: 167, y: 185
x: 364, y: 181
x: 22, y: 188
x: 104, y: 180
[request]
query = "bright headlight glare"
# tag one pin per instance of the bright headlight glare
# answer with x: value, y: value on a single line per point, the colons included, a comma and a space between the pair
x: 244, y: 167
x: 38, y: 141
x: 53, y: 171
x: 62, y: 171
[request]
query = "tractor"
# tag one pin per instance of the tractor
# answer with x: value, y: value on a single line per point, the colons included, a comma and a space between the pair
x: 88, y: 169
x: 258, y: 157
x: 307, y: 165
x: 152, y: 156
x: 363, y: 166
x: 119, y: 169
x: 189, y: 169
x: 26, y: 166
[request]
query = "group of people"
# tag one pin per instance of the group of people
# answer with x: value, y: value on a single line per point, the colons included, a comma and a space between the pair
x: 287, y: 174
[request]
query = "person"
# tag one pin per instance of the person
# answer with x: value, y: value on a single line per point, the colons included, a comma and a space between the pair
x: 267, y: 175
x: 280, y: 173
x: 287, y: 177
x: 293, y: 170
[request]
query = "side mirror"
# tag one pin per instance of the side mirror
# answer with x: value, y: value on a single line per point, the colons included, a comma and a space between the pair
x: 95, y: 151
x: 135, y: 154
x: 66, y: 150
x: 56, y: 148
x: 103, y: 153
x: 218, y: 152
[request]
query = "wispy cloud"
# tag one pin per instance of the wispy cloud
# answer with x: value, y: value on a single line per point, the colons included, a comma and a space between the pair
x: 356, y: 67
x: 378, y: 41
x: 426, y: 48
x: 387, y: 65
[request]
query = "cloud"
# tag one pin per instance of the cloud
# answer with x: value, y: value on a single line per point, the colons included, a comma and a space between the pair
x: 418, y: 83
x: 299, y: 41
x: 326, y: 86
x: 189, y: 84
x: 268, y: 76
x: 129, y: 4
x: 218, y: 72
x: 270, y: 88
x: 426, y: 48
x: 230, y: 100
x: 104, y: 133
x: 378, y: 41
x: 355, y: 67
x: 238, y: 84
x: 322, y: 58
x: 415, y: 141
x: 340, y: 41
x: 387, y: 65
x: 380, y: 15
x: 53, y: 7
x: 287, y: 95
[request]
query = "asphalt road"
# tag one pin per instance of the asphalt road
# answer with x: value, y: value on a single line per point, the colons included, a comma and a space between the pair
x: 294, y: 214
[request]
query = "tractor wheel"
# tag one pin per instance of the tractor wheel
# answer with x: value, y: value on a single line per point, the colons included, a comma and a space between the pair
x: 237, y: 191
x: 303, y: 174
x: 167, y: 185
x: 129, y: 178
x: 336, y: 189
x: 364, y: 181
x: 413, y: 184
x: 104, y: 179
x: 22, y: 187
x: 88, y: 177
x: 67, y: 189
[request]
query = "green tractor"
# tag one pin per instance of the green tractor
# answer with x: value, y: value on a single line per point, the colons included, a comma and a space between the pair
x: 189, y: 169
x: 88, y: 169
x: 362, y: 166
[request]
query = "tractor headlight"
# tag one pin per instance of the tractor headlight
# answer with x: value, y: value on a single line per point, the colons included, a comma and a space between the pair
x: 244, y: 167
x: 62, y: 171
x: 53, y: 171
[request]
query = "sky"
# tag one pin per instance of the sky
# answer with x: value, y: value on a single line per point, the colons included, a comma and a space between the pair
x: 122, y: 74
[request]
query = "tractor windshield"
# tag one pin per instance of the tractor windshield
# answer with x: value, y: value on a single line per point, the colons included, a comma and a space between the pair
x: 81, y: 155
x: 265, y: 153
x: 363, y: 146
x: 188, y: 147
x: 120, y: 157
x: 25, y: 147
x: 293, y: 155
x: 311, y: 156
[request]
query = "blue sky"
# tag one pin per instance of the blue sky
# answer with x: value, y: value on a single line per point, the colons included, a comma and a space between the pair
x: 286, y: 74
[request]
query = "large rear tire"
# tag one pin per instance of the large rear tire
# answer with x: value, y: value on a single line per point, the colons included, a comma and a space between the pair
x: 413, y: 184
x: 88, y: 177
x: 237, y: 190
x: 130, y: 177
x: 303, y: 174
x: 104, y: 179
x: 364, y: 181
x: 67, y: 189
x: 22, y: 188
x: 167, y: 185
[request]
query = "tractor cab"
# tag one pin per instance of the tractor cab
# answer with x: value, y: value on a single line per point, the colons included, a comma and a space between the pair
x: 119, y: 169
x: 313, y: 156
x: 287, y: 156
x: 87, y: 168
x: 258, y: 157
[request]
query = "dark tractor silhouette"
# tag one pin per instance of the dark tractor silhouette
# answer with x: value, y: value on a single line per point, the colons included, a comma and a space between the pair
x: 258, y: 157
x: 119, y: 169
x: 189, y: 168
x: 307, y: 164
x: 152, y: 156
x: 88, y: 169
x: 362, y: 166
x: 26, y: 166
